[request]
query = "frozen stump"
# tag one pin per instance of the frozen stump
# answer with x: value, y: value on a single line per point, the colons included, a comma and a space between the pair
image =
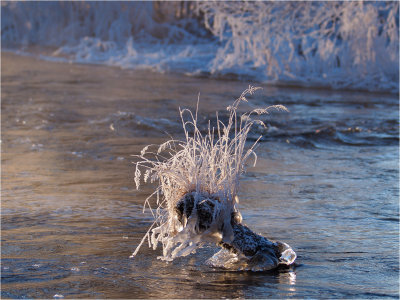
x: 259, y: 253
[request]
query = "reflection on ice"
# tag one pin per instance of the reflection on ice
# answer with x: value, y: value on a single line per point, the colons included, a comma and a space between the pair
x: 292, y: 278
x: 288, y: 279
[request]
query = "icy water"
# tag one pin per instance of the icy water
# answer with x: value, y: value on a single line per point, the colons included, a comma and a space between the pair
x: 326, y: 183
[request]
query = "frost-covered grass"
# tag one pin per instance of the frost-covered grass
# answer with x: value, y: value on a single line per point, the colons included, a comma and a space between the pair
x: 206, y: 165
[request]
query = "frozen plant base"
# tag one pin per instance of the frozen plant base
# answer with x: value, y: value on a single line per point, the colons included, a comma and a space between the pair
x: 244, y: 249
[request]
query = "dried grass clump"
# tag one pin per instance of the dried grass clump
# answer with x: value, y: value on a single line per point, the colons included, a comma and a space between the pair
x: 207, y: 166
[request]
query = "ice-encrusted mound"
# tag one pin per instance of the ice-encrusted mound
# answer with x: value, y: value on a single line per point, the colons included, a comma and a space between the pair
x: 347, y: 44
x: 202, y: 217
x: 198, y: 182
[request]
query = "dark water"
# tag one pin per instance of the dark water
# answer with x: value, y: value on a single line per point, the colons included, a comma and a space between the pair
x: 326, y: 182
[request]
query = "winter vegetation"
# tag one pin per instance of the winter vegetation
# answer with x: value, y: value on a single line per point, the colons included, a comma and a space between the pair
x: 207, y: 166
x: 336, y: 44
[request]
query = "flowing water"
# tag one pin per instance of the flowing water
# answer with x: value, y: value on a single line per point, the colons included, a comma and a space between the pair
x: 326, y: 182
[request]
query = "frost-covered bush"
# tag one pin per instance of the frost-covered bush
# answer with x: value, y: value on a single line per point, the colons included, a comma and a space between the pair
x: 60, y: 23
x: 208, y: 166
x: 336, y: 43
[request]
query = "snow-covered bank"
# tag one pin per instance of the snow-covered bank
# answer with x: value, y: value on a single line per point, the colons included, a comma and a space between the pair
x: 334, y: 44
